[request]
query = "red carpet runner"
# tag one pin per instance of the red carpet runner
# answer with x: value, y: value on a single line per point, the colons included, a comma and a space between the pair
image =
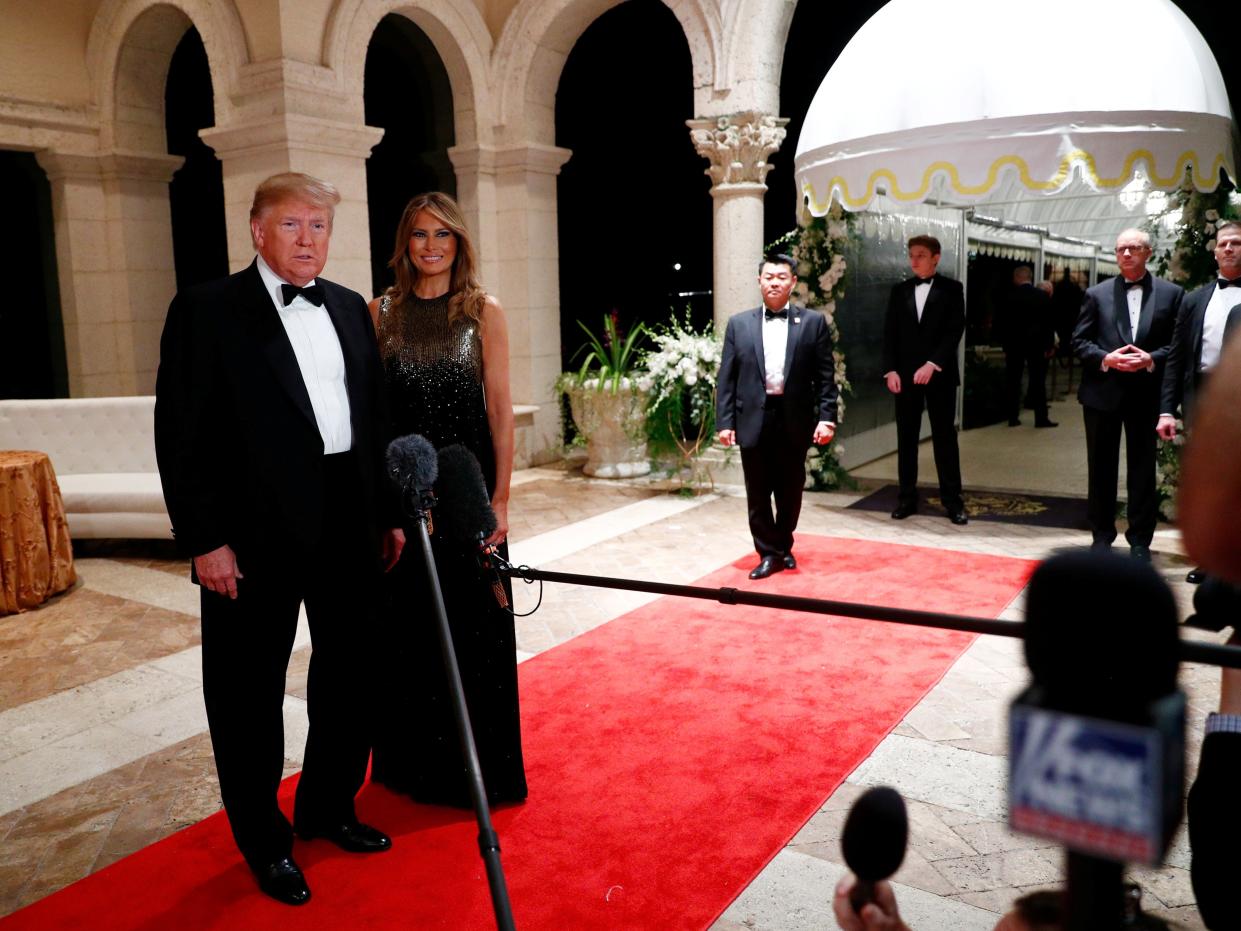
x: 671, y: 753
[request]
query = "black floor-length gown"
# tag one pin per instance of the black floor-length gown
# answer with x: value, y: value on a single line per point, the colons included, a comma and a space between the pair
x: 433, y: 371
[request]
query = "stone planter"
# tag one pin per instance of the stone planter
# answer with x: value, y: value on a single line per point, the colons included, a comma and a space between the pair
x: 613, y: 423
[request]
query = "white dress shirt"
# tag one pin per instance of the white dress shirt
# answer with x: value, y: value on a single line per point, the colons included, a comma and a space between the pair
x: 775, y: 343
x: 921, y: 290
x: 1134, y: 297
x: 1218, y: 308
x: 320, y: 359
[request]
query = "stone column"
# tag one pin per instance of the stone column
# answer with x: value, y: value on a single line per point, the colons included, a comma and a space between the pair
x: 475, y: 167
x: 737, y: 147
x: 527, y: 283
x: 115, y: 264
x: 330, y: 149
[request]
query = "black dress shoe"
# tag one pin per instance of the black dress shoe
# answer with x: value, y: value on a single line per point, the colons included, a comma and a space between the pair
x: 1140, y: 552
x: 904, y: 510
x: 284, y: 882
x: 354, y: 837
x: 789, y: 561
x: 1196, y: 576
x: 767, y: 566
x: 1044, y: 424
x: 960, y: 518
x: 1014, y: 421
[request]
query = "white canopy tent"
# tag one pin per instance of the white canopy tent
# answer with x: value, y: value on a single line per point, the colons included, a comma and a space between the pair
x: 1073, y: 120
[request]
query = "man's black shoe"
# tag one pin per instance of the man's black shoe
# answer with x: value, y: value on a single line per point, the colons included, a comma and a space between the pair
x: 904, y: 510
x: 354, y: 837
x: 1195, y: 576
x: 1100, y: 546
x: 767, y: 566
x: 1140, y: 552
x: 284, y: 882
x: 1044, y: 424
x: 1014, y: 421
x: 789, y: 561
x: 960, y: 518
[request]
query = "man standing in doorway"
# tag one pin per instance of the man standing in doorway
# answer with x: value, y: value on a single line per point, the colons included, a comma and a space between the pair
x: 270, y: 440
x: 1028, y: 336
x: 1122, y: 338
x: 1208, y: 316
x: 776, y: 394
x: 921, y: 333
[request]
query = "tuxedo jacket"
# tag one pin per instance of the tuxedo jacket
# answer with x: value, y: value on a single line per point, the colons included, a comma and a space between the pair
x: 909, y: 343
x: 809, y: 376
x: 1103, y: 325
x: 1025, y: 323
x: 1181, y: 374
x: 240, y: 455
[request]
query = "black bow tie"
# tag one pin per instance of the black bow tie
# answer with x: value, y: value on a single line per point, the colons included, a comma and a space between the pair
x: 1130, y: 285
x: 776, y: 314
x: 1225, y: 283
x: 313, y: 293
x: 918, y: 281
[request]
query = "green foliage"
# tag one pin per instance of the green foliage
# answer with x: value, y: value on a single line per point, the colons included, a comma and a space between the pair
x: 1190, y: 261
x: 610, y: 358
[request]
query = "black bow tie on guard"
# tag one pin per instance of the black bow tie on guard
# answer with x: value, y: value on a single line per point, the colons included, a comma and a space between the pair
x: 918, y: 281
x: 775, y: 314
x: 1225, y: 283
x: 1130, y: 285
x: 313, y: 293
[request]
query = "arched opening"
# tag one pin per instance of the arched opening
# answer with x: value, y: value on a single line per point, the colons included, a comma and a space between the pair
x: 196, y: 192
x: 634, y: 206
x: 406, y: 93
x: 30, y: 321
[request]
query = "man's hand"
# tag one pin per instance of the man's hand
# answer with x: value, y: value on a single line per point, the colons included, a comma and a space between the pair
x: 894, y: 382
x: 500, y: 507
x: 727, y: 437
x: 879, y: 915
x: 392, y: 544
x: 218, y: 571
x: 1128, y: 358
x: 1166, y: 427
x: 924, y: 373
x: 823, y: 433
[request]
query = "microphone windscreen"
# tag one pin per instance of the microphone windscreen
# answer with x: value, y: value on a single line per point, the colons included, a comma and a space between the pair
x: 1101, y: 632
x: 875, y: 834
x: 464, y: 507
x: 412, y: 463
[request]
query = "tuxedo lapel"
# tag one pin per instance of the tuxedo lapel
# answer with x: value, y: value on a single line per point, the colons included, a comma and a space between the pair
x: 1145, y: 314
x: 259, y: 314
x: 755, y: 318
x: 1196, y: 327
x: 346, y: 332
x: 795, y: 328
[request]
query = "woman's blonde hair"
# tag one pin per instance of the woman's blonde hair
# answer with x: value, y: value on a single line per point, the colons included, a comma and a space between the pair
x: 467, y: 294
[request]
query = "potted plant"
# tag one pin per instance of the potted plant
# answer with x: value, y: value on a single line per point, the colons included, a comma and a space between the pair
x: 607, y: 402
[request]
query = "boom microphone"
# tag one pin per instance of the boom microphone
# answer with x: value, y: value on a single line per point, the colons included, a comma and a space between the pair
x: 465, y: 514
x: 873, y: 841
x: 412, y: 466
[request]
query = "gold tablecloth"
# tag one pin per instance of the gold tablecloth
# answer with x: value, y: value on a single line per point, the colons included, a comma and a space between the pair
x: 36, y: 558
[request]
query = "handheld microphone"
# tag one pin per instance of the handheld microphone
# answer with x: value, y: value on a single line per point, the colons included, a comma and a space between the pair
x: 1097, y: 741
x: 412, y: 467
x: 873, y: 841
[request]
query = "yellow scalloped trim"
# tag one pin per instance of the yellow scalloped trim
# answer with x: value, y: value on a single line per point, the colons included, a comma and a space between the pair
x: 1056, y: 181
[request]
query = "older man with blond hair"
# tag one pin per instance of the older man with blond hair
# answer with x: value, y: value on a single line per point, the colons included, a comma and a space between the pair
x: 270, y: 441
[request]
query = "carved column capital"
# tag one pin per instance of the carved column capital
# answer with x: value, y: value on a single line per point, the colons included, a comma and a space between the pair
x: 737, y: 146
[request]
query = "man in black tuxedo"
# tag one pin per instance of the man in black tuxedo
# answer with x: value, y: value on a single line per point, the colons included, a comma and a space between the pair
x: 1027, y: 334
x: 776, y: 394
x: 1122, y: 337
x: 921, y: 332
x: 270, y: 440
x: 1208, y: 316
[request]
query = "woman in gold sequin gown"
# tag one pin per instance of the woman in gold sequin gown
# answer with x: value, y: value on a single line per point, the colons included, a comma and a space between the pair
x: 444, y: 346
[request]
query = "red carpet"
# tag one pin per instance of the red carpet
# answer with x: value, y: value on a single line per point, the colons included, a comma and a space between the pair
x: 671, y: 753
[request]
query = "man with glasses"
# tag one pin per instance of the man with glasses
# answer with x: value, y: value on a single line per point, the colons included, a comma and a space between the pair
x: 1122, y: 337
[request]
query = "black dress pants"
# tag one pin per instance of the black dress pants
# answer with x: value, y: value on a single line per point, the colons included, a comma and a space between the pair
x: 775, y: 468
x: 940, y: 402
x: 1036, y: 394
x: 246, y: 645
x: 1138, y: 418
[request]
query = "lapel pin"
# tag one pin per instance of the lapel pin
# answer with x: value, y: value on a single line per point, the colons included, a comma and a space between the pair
x: 797, y: 319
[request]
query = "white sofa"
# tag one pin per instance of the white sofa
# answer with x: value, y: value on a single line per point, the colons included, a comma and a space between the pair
x: 103, y: 451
